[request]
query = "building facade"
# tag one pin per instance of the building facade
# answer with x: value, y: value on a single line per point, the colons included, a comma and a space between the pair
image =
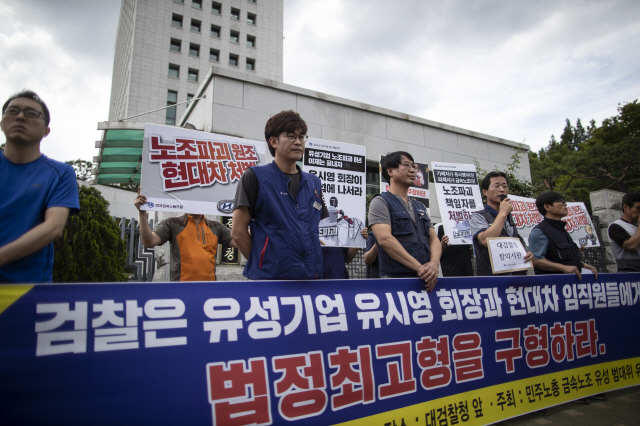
x: 164, y: 48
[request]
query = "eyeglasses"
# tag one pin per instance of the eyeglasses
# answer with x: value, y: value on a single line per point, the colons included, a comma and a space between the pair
x: 410, y: 166
x: 500, y: 185
x: 28, y: 112
x: 292, y: 138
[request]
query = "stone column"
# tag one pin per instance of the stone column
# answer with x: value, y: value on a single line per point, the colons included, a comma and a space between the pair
x: 607, y: 205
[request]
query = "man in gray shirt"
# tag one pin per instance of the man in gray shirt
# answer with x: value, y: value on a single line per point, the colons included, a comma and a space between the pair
x: 407, y: 243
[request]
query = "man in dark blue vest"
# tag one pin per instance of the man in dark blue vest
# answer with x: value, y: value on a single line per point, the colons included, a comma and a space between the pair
x: 554, y: 250
x: 493, y: 222
x: 283, y: 206
x: 407, y: 243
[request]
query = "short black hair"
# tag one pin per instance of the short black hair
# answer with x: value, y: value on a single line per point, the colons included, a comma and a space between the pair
x: 392, y: 161
x: 630, y: 199
x: 29, y: 94
x: 487, y: 179
x: 285, y: 121
x: 548, y: 197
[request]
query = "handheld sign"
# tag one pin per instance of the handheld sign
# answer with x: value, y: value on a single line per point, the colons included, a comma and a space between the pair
x: 507, y: 255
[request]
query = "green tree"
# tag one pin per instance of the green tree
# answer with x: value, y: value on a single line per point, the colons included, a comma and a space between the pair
x: 90, y: 249
x: 82, y: 168
x: 609, y: 158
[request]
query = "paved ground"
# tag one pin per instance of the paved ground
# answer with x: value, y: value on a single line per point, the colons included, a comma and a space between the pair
x: 622, y: 408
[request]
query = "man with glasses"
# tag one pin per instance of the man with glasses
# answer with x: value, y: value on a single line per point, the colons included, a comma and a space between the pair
x: 493, y: 221
x: 407, y: 243
x: 624, y: 235
x: 554, y: 250
x: 37, y: 193
x: 282, y: 206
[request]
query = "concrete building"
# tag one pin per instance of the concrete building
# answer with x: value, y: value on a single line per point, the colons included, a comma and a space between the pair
x: 164, y: 48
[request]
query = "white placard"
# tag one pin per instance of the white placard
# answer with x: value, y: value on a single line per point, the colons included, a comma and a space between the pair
x: 507, y: 255
x: 458, y: 197
x: 342, y: 169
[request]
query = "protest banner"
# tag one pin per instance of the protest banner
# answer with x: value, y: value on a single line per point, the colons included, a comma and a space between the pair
x: 342, y: 169
x: 507, y: 254
x: 356, y: 352
x: 579, y: 225
x: 419, y: 190
x: 188, y: 171
x: 459, y: 196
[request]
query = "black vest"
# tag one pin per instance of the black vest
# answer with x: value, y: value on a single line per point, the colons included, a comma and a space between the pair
x: 562, y: 249
x: 483, y: 261
x: 414, y: 237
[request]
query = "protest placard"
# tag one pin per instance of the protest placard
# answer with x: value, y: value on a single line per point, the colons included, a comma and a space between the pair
x: 341, y: 167
x: 459, y: 196
x: 189, y: 171
x: 507, y: 255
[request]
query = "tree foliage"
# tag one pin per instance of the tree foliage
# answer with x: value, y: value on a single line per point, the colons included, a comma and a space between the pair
x: 91, y: 248
x: 82, y: 168
x: 592, y: 158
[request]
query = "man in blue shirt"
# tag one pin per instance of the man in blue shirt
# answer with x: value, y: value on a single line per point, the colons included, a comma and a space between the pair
x: 37, y: 193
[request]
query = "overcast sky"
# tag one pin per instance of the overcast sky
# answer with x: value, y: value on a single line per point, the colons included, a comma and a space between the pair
x: 511, y: 69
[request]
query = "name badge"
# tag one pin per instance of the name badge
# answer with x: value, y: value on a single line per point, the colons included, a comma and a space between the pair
x: 317, y: 205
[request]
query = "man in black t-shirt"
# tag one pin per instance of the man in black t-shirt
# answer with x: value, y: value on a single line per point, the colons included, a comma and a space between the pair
x: 624, y: 235
x: 456, y: 259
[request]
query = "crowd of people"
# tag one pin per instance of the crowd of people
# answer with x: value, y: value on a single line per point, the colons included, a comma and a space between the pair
x: 278, y: 208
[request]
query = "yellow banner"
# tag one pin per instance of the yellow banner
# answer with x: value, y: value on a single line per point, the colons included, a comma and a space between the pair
x: 507, y: 400
x: 10, y: 293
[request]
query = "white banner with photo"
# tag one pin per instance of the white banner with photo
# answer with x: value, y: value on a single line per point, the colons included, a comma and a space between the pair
x: 189, y: 171
x: 579, y: 225
x: 459, y: 197
x: 342, y: 169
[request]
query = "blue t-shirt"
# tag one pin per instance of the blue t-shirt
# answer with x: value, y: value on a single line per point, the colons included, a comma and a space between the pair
x: 26, y: 192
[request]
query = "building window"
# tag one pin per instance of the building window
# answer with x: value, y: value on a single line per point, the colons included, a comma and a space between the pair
x: 251, y: 64
x: 197, y: 4
x: 194, y: 49
x: 216, y: 8
x: 179, y: 1
x: 214, y: 55
x: 233, y: 60
x: 251, y: 18
x: 215, y: 31
x: 235, y: 14
x: 252, y: 1
x: 192, y: 75
x: 234, y: 37
x: 174, y: 71
x: 176, y: 21
x: 251, y: 41
x: 175, y: 45
x: 189, y: 97
x: 172, y: 99
x: 195, y: 25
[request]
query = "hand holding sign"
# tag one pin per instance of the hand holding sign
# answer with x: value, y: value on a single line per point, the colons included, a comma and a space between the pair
x: 508, y: 255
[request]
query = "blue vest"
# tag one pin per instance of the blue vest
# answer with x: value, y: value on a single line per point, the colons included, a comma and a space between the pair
x: 285, y: 241
x: 562, y: 249
x: 414, y: 237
